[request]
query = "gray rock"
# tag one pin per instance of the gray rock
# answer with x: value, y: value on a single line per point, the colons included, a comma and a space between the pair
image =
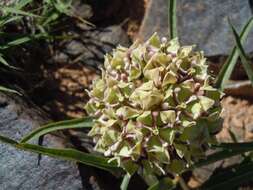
x: 82, y: 10
x: 18, y: 169
x: 90, y: 45
x: 203, y: 23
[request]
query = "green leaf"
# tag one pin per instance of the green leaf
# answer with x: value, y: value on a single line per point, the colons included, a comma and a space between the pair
x: 125, y: 182
x: 8, y: 141
x: 173, y: 18
x: 21, y: 40
x: 232, y: 177
x: 7, y: 20
x: 164, y: 184
x: 22, y: 3
x: 49, y: 18
x: 242, y: 54
x: 229, y: 150
x: 236, y: 146
x: 86, y: 122
x: 4, y: 89
x: 3, y: 61
x: 74, y: 155
x: 14, y: 10
x: 67, y: 154
x: 229, y: 65
x: 63, y: 6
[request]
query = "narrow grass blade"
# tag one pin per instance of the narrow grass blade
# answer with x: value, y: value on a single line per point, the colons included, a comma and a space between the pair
x: 3, y: 61
x: 50, y: 17
x: 73, y: 155
x: 8, y: 141
x: 164, y: 184
x: 21, y: 40
x: 63, y: 7
x: 125, y: 182
x: 22, y: 3
x: 17, y: 11
x: 17, y: 42
x: 4, y: 89
x: 86, y: 122
x: 5, y: 21
x: 229, y: 65
x: 173, y: 18
x: 67, y: 154
x: 221, y: 155
x: 229, y: 150
x: 242, y: 54
x: 231, y: 178
x: 236, y: 146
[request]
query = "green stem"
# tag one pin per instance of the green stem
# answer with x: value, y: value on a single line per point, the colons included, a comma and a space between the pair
x: 173, y: 18
x: 125, y: 182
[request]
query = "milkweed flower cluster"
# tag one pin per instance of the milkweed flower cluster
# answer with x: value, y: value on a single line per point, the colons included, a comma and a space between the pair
x: 155, y: 108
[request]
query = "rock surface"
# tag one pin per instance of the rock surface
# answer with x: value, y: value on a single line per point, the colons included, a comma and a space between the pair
x: 82, y: 9
x: 18, y: 169
x: 203, y: 23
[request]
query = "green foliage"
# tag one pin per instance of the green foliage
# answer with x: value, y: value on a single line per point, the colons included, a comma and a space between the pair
x: 66, y: 154
x: 86, y: 122
x: 230, y: 177
x: 229, y: 65
x: 14, y: 10
x: 4, y: 89
x: 245, y: 60
x: 225, y: 150
x: 43, y: 16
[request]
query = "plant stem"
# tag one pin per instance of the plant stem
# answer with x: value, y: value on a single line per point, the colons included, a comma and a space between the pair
x: 125, y: 182
x: 172, y: 18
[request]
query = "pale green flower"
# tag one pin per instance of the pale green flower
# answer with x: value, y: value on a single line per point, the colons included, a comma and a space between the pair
x: 155, y: 107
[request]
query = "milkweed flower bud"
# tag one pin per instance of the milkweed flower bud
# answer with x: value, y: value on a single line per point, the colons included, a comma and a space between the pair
x: 160, y: 112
